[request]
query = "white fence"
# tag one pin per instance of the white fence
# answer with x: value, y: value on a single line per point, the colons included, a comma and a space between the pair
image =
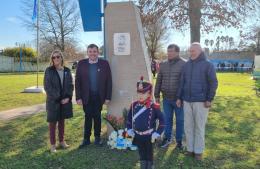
x: 9, y: 64
x: 257, y: 62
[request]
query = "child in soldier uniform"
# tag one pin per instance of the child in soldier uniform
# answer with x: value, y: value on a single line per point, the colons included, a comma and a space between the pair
x: 141, y: 123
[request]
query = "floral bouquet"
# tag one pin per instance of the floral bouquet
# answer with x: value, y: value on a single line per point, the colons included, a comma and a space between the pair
x: 119, y: 139
x: 116, y: 122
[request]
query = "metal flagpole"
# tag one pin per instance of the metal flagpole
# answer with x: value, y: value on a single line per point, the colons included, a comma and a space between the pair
x: 38, y: 51
x: 36, y: 89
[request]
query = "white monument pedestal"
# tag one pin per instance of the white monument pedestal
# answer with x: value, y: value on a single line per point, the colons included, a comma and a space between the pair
x: 34, y: 89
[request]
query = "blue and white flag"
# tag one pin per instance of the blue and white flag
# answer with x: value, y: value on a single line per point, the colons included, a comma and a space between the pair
x: 34, y: 16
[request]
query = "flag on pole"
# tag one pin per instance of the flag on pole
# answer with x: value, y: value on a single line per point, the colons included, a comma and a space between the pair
x: 34, y: 16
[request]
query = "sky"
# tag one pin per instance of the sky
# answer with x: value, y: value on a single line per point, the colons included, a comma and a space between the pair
x: 12, y: 31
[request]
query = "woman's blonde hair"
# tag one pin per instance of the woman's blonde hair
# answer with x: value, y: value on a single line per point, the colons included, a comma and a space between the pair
x: 61, y: 55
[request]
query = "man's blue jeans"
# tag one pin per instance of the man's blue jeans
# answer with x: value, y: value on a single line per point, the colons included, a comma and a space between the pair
x: 170, y: 107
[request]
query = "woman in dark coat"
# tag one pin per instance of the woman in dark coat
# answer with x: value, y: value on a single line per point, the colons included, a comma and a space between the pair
x: 59, y: 90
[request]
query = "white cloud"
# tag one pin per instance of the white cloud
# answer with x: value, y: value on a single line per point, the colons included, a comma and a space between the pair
x: 12, y: 19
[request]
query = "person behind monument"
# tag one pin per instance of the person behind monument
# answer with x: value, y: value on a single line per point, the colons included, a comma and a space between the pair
x: 93, y: 84
x: 141, y: 123
x: 59, y: 87
x: 153, y: 67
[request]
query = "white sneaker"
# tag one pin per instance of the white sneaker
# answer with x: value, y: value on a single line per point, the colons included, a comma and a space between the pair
x: 53, y: 149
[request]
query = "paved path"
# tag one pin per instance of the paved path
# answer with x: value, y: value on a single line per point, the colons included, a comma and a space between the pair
x: 25, y: 111
x: 21, y: 111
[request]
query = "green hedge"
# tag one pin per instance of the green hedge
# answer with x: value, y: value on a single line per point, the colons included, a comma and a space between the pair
x: 15, y: 52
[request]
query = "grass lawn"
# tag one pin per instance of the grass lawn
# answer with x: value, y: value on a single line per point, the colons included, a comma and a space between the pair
x: 232, y: 138
x: 12, y: 86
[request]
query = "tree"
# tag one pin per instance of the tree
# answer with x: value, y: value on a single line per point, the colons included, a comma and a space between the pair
x: 211, y: 43
x: 206, y: 42
x: 155, y: 35
x: 254, y: 37
x: 258, y: 43
x: 226, y: 42
x: 201, y: 15
x: 251, y: 47
x: 250, y: 39
x: 59, y: 20
x: 217, y: 43
x: 15, y: 52
x: 154, y: 24
x: 71, y: 51
x: 231, y: 42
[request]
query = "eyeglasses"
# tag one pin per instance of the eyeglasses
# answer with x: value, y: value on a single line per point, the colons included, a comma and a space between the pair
x: 55, y: 57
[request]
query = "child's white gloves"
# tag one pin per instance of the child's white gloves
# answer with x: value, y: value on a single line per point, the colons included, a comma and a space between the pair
x: 155, y: 136
x: 131, y: 133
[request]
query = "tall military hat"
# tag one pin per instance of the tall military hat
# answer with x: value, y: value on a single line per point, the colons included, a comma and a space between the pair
x: 143, y: 86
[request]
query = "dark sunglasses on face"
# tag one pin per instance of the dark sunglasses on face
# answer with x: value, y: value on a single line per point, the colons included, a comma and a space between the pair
x: 55, y: 57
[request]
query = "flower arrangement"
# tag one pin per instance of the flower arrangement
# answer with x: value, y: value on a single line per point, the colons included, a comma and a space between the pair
x: 115, y: 122
x: 119, y: 139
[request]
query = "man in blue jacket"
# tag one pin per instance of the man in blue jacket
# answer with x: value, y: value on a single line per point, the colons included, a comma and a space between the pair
x: 197, y: 89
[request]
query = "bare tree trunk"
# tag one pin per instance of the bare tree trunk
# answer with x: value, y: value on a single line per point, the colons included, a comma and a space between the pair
x: 195, y: 16
x: 152, y: 54
x: 62, y: 37
x: 154, y: 23
x: 59, y: 21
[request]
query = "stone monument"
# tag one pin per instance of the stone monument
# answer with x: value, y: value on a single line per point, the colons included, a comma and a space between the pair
x: 126, y: 52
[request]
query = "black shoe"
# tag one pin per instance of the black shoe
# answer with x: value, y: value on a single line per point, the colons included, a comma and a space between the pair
x: 84, y: 144
x: 98, y: 141
x: 166, y: 142
x: 179, y: 145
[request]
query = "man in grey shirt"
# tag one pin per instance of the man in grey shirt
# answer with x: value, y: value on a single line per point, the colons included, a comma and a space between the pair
x: 168, y: 82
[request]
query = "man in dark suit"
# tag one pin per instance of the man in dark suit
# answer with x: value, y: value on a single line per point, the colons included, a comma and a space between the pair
x: 93, y: 84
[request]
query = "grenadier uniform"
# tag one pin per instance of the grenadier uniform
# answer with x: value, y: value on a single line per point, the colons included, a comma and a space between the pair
x: 142, y: 125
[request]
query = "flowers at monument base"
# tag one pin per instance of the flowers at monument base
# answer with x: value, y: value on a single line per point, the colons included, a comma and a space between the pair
x: 120, y: 140
x: 116, y: 122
